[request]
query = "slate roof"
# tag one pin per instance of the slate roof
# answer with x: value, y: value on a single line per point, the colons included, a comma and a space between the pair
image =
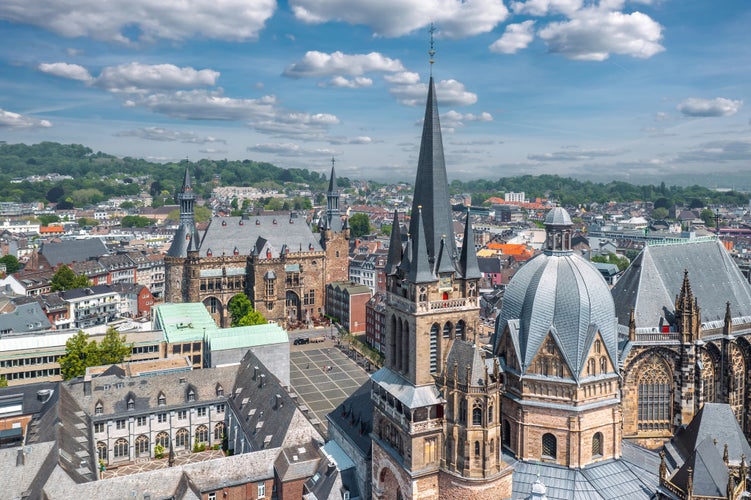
x: 68, y: 251
x: 558, y: 216
x: 410, y: 396
x: 565, y: 295
x: 489, y: 265
x: 710, y: 474
x: 715, y: 421
x: 431, y: 184
x: 354, y: 418
x: 465, y: 354
x: 653, y: 280
x: 258, y: 233
x: 634, y: 476
x: 28, y: 317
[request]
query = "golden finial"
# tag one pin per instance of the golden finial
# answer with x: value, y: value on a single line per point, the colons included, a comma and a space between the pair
x: 431, y: 52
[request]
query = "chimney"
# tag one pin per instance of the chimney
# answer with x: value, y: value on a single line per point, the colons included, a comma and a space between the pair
x: 255, y: 372
x: 20, y: 458
x: 263, y: 377
x: 87, y: 387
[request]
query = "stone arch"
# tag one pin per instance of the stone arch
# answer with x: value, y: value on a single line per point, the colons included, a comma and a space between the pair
x: 460, y: 332
x: 393, y: 339
x: 215, y: 307
x: 737, y: 389
x: 709, y: 362
x: 448, y: 330
x: 388, y: 485
x: 405, y: 346
x: 292, y: 307
x: 654, y: 384
x: 632, y: 374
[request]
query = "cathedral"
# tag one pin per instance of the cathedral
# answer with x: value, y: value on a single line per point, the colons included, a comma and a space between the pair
x: 583, y: 384
x: 276, y: 260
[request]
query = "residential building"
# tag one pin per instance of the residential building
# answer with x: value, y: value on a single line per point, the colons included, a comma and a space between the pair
x: 345, y: 302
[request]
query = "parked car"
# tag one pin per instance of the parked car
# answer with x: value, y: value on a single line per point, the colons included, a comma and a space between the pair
x: 301, y: 340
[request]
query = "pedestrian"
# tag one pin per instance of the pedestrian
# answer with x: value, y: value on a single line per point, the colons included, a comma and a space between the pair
x: 307, y: 367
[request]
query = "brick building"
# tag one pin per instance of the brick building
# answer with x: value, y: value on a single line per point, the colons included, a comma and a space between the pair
x: 346, y: 302
x: 276, y: 260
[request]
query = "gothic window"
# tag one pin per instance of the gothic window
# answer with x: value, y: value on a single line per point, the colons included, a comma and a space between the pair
x: 434, y: 348
x: 490, y: 413
x: 506, y: 436
x: 142, y: 445
x: 591, y: 367
x: 598, y: 347
x: 654, y: 396
x: 477, y: 449
x: 463, y: 411
x: 121, y: 448
x: 270, y: 283
x: 219, y: 431
x: 549, y: 446
x: 212, y: 304
x: 707, y: 378
x: 477, y: 413
x: 460, y: 330
x: 101, y: 450
x: 163, y: 439
x: 603, y: 365
x: 447, y: 330
x: 202, y: 434
x: 550, y: 346
x: 430, y: 450
x: 597, y: 445
x: 737, y: 382
x: 182, y: 438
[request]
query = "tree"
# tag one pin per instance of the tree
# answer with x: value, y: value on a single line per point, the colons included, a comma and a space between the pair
x: 708, y: 216
x: 239, y: 306
x: 54, y: 194
x: 46, y: 220
x: 253, y: 317
x: 660, y: 213
x: 66, y: 279
x: 359, y: 225
x: 3, y: 381
x: 11, y: 263
x: 135, y: 221
x: 112, y: 348
x: 80, y: 353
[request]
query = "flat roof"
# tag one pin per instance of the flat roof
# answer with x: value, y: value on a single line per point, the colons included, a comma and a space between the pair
x: 246, y: 336
x: 183, y: 322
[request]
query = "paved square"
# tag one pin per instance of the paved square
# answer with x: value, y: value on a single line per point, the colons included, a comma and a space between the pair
x: 319, y: 387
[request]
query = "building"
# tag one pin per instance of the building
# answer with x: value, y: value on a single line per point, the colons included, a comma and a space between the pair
x: 346, y: 302
x: 375, y: 323
x: 512, y: 197
x: 276, y: 260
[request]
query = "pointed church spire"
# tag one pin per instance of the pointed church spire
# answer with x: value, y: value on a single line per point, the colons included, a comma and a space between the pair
x: 186, y: 238
x: 333, y: 218
x: 727, y: 328
x: 468, y: 265
x: 444, y: 263
x: 431, y: 185
x: 419, y: 269
x: 395, y: 247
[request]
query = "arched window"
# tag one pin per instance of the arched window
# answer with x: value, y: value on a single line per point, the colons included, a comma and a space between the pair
x: 477, y: 413
x: 460, y: 330
x: 598, y: 347
x: 121, y: 448
x: 163, y: 439
x: 597, y: 445
x: 463, y: 411
x: 591, y: 367
x: 202, y: 434
x: 101, y: 450
x: 490, y: 413
x: 549, y: 446
x: 142, y: 446
x: 603, y: 365
x: 219, y: 431
x: 737, y: 382
x: 448, y: 330
x: 708, y: 390
x: 477, y: 449
x: 434, y: 348
x: 182, y: 438
x: 550, y: 346
x: 506, y: 438
x: 654, y: 406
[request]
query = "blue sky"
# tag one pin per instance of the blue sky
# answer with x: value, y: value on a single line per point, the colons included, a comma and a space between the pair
x: 642, y: 91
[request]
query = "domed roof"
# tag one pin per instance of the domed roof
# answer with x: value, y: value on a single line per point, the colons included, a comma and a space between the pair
x: 558, y: 217
x: 561, y: 294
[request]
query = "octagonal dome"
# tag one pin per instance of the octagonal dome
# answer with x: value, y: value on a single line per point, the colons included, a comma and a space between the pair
x: 558, y: 217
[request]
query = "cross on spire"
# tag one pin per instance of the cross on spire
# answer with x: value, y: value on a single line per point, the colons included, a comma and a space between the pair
x: 431, y: 52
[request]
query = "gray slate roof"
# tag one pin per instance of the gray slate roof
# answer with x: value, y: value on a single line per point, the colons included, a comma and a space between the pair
x: 354, y: 418
x: 410, y: 396
x: 26, y: 318
x: 654, y: 279
x: 565, y: 295
x: 259, y: 233
x: 714, y: 421
x: 68, y: 251
x: 558, y: 216
x: 710, y: 474
x: 465, y: 354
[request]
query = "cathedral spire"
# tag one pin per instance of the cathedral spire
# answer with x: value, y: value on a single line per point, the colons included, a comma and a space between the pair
x: 419, y: 269
x: 186, y: 238
x: 468, y: 265
x: 431, y: 185
x: 333, y: 218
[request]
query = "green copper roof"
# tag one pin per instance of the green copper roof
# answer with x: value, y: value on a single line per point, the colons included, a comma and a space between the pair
x: 246, y: 336
x: 184, y: 322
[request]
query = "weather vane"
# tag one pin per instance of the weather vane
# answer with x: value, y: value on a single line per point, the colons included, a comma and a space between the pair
x: 431, y: 52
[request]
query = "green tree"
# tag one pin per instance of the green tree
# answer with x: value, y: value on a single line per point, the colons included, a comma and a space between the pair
x: 251, y: 318
x: 359, y: 225
x: 611, y: 258
x: 112, y: 348
x: 239, y: 306
x: 80, y: 353
x: 135, y: 221
x: 708, y: 216
x: 46, y: 220
x: 3, y: 381
x: 386, y: 229
x: 11, y: 263
x: 65, y: 279
x: 660, y: 213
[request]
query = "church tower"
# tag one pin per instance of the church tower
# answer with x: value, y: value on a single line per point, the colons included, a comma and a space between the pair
x: 334, y: 235
x: 184, y: 245
x: 431, y: 303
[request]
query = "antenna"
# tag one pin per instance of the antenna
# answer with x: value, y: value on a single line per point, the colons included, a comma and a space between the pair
x: 333, y: 161
x: 431, y: 52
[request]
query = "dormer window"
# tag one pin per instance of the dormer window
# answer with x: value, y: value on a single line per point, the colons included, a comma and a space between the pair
x: 219, y: 390
x: 162, y: 400
x: 99, y: 408
x: 131, y: 403
x: 191, y: 395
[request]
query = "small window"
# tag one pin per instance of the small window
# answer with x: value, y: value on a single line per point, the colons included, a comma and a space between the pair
x: 477, y: 449
x: 549, y: 446
x: 141, y: 421
x: 182, y: 414
x: 191, y: 395
x: 261, y: 489
x: 120, y: 424
x: 597, y: 445
x: 212, y: 496
x: 99, y: 409
x: 131, y: 404
x: 162, y: 399
x: 161, y: 418
x: 99, y: 427
x: 201, y: 412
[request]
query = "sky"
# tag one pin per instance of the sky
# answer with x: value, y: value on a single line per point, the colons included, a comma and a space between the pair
x: 637, y: 90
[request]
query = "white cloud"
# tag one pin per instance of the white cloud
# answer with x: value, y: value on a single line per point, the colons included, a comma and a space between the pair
x: 136, y: 77
x: 355, y: 83
x: 448, y: 92
x: 593, y: 33
x: 65, y: 70
x: 350, y: 140
x: 205, y: 105
x: 289, y: 149
x: 515, y: 38
x: 453, y: 119
x: 718, y: 151
x: 574, y: 154
x: 11, y: 120
x: 545, y: 7
x: 320, y: 64
x: 456, y: 18
x: 152, y: 19
x: 718, y: 106
x: 403, y: 78
x: 166, y: 135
